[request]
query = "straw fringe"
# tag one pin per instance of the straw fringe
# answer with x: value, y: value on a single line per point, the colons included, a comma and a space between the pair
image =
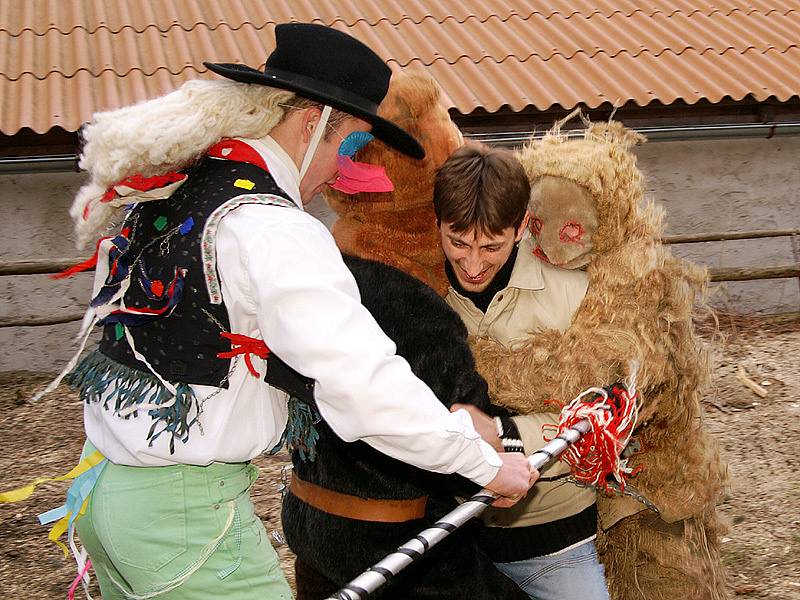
x: 648, y: 559
x: 639, y: 307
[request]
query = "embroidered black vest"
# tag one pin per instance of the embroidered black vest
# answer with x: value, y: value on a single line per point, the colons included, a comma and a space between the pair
x: 183, y: 346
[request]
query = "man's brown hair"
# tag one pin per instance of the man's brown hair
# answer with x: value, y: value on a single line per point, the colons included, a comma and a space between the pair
x: 481, y: 187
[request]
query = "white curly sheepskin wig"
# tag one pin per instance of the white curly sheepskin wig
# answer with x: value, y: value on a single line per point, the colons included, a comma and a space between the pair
x: 166, y: 134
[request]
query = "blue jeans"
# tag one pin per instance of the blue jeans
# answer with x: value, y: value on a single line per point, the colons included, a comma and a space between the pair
x: 572, y: 575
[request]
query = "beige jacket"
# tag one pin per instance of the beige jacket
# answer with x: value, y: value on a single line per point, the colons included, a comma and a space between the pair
x: 538, y: 296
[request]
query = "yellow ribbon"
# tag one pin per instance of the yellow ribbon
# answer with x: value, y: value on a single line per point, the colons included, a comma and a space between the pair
x: 60, y: 526
x: 25, y: 491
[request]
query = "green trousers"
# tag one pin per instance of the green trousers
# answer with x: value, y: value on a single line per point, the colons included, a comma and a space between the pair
x: 179, y: 532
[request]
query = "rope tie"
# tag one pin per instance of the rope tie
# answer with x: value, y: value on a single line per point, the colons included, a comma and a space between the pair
x: 245, y: 345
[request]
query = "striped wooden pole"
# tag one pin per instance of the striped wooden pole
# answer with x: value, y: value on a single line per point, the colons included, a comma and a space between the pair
x: 378, y: 574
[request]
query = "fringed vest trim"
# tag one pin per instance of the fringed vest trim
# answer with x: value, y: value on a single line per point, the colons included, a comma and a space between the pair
x: 127, y: 391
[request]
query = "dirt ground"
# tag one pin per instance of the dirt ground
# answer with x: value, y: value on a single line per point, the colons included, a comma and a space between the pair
x: 760, y: 439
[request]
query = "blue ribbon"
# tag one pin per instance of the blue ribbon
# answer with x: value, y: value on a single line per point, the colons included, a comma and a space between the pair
x: 77, y: 493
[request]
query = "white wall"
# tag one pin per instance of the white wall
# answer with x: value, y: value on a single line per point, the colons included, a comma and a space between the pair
x: 732, y: 185
x: 706, y: 186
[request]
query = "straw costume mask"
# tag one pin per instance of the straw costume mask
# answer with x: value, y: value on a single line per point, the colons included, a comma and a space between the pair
x: 588, y: 208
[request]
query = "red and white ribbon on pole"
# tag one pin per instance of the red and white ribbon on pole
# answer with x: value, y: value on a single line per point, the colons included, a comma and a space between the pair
x: 591, y: 434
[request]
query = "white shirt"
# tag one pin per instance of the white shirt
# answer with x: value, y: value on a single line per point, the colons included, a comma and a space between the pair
x: 284, y: 281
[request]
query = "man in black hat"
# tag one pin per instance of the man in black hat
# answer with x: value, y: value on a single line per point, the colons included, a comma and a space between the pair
x: 221, y: 300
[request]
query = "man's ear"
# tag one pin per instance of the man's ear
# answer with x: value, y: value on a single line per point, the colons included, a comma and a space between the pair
x: 523, y: 226
x: 311, y: 117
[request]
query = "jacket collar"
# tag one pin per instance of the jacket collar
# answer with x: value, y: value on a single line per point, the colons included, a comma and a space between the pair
x: 527, y: 273
x: 280, y: 165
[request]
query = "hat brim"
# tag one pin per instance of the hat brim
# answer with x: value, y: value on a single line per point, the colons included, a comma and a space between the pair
x: 383, y: 129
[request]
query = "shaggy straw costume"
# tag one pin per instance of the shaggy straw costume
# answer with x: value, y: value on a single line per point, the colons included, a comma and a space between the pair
x: 399, y: 228
x: 638, y: 306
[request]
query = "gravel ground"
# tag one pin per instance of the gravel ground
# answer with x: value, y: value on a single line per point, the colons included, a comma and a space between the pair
x: 759, y: 436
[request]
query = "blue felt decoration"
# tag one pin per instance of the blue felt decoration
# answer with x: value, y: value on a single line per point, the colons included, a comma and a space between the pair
x: 354, y: 142
x: 186, y: 226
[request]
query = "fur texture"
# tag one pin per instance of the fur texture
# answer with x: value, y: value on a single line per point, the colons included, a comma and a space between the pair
x: 165, y: 134
x: 399, y: 228
x: 332, y: 550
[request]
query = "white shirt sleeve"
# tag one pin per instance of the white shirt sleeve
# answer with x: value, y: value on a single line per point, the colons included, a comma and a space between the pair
x: 308, y: 310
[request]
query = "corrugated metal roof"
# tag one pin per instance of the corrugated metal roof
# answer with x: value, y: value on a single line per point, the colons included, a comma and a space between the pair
x: 62, y: 60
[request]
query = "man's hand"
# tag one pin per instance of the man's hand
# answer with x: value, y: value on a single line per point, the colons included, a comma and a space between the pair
x: 513, y: 480
x: 483, y: 423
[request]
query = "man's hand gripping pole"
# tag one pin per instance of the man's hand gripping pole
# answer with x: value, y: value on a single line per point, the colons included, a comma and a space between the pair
x: 377, y: 575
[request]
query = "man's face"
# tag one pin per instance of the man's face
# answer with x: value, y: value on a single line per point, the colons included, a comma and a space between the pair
x: 324, y: 168
x: 476, y: 256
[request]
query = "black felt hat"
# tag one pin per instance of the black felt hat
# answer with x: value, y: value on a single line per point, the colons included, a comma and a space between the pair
x: 331, y: 67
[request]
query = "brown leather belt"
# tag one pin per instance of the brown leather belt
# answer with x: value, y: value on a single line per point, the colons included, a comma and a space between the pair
x: 354, y: 507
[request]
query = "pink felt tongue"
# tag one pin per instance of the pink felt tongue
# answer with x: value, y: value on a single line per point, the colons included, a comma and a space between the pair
x: 355, y: 177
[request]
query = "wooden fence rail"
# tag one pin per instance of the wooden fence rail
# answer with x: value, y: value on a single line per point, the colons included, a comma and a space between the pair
x: 39, y: 321
x: 754, y: 273
x: 44, y: 267
x: 36, y: 267
x: 727, y: 235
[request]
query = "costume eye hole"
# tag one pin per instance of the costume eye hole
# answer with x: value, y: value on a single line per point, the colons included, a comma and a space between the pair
x: 571, y: 232
x: 536, y: 225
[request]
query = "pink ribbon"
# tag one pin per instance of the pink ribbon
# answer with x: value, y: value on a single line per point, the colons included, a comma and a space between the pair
x: 74, y: 586
x: 355, y: 177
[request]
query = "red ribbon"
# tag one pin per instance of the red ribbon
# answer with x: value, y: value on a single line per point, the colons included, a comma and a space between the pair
x: 143, y: 184
x: 246, y: 345
x: 89, y: 263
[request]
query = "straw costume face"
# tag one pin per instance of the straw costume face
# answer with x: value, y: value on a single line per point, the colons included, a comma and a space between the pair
x: 563, y: 222
x: 587, y: 194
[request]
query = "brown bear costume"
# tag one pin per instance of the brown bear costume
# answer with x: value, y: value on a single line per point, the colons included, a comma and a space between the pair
x: 660, y: 541
x: 399, y: 228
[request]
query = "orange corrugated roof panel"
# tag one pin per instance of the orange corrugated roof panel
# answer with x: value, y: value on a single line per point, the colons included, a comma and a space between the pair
x: 60, y: 61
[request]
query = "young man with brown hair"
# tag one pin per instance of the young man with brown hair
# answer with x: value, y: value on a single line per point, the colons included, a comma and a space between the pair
x: 503, y: 291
